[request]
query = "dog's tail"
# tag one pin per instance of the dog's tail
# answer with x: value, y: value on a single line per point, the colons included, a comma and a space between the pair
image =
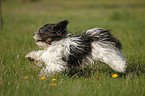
x: 101, y: 35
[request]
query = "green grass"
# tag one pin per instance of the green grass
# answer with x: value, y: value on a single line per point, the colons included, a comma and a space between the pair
x: 20, y: 20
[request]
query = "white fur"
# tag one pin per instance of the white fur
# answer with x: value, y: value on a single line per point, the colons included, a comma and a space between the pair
x: 52, y: 55
x: 108, y: 55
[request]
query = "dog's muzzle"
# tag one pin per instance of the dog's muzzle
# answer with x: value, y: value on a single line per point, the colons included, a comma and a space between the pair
x: 36, y: 37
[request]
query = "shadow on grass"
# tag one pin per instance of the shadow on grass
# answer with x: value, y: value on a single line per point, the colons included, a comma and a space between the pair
x: 98, y: 69
x: 82, y: 72
x: 135, y: 68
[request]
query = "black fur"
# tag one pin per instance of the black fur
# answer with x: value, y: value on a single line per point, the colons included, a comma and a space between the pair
x: 51, y: 32
x: 103, y: 36
x: 107, y: 36
x: 77, y: 53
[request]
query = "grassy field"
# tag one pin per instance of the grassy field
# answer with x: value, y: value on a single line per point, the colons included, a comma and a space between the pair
x: 126, y: 19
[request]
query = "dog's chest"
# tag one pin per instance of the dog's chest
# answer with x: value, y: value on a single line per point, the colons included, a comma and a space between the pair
x: 52, y: 53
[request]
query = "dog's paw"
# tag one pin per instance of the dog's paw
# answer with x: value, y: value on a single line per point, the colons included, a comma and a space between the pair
x: 29, y: 58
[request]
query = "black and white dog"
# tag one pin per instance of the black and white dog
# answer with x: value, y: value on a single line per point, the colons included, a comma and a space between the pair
x: 62, y: 51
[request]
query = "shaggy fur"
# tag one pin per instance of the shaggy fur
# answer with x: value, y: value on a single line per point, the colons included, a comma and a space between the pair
x: 63, y: 51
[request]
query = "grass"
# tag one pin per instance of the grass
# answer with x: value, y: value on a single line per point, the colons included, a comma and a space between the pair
x: 21, y: 20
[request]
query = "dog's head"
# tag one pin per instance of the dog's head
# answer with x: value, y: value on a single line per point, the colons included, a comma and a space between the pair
x: 50, y: 32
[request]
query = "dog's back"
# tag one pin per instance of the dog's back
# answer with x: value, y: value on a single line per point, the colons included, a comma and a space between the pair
x: 96, y: 45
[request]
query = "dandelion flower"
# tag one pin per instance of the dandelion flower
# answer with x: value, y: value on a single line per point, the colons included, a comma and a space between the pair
x: 43, y: 77
x: 53, y: 79
x: 53, y: 84
x: 26, y: 77
x: 115, y: 75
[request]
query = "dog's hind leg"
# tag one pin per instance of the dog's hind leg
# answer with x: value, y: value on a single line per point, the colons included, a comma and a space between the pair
x: 110, y: 56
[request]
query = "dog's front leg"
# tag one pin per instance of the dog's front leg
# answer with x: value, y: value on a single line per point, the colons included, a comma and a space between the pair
x: 34, y: 55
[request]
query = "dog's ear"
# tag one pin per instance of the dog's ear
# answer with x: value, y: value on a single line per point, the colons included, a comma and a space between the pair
x: 61, y: 26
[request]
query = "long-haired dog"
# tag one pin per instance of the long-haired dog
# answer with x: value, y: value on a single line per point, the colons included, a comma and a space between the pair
x: 62, y: 51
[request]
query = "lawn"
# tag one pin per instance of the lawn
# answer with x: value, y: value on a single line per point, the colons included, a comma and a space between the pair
x: 126, y: 19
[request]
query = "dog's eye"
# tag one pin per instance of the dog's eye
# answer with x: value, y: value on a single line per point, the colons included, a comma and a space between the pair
x: 46, y: 30
x: 40, y: 33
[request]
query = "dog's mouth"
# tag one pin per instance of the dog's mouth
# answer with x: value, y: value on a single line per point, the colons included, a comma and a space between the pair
x: 38, y: 40
x: 43, y: 41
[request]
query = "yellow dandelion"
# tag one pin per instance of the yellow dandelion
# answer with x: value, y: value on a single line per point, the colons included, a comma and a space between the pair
x: 115, y: 75
x: 53, y: 84
x: 26, y: 77
x: 53, y: 79
x: 43, y: 77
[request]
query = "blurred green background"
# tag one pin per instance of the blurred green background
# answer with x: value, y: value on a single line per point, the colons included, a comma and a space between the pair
x: 21, y: 18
